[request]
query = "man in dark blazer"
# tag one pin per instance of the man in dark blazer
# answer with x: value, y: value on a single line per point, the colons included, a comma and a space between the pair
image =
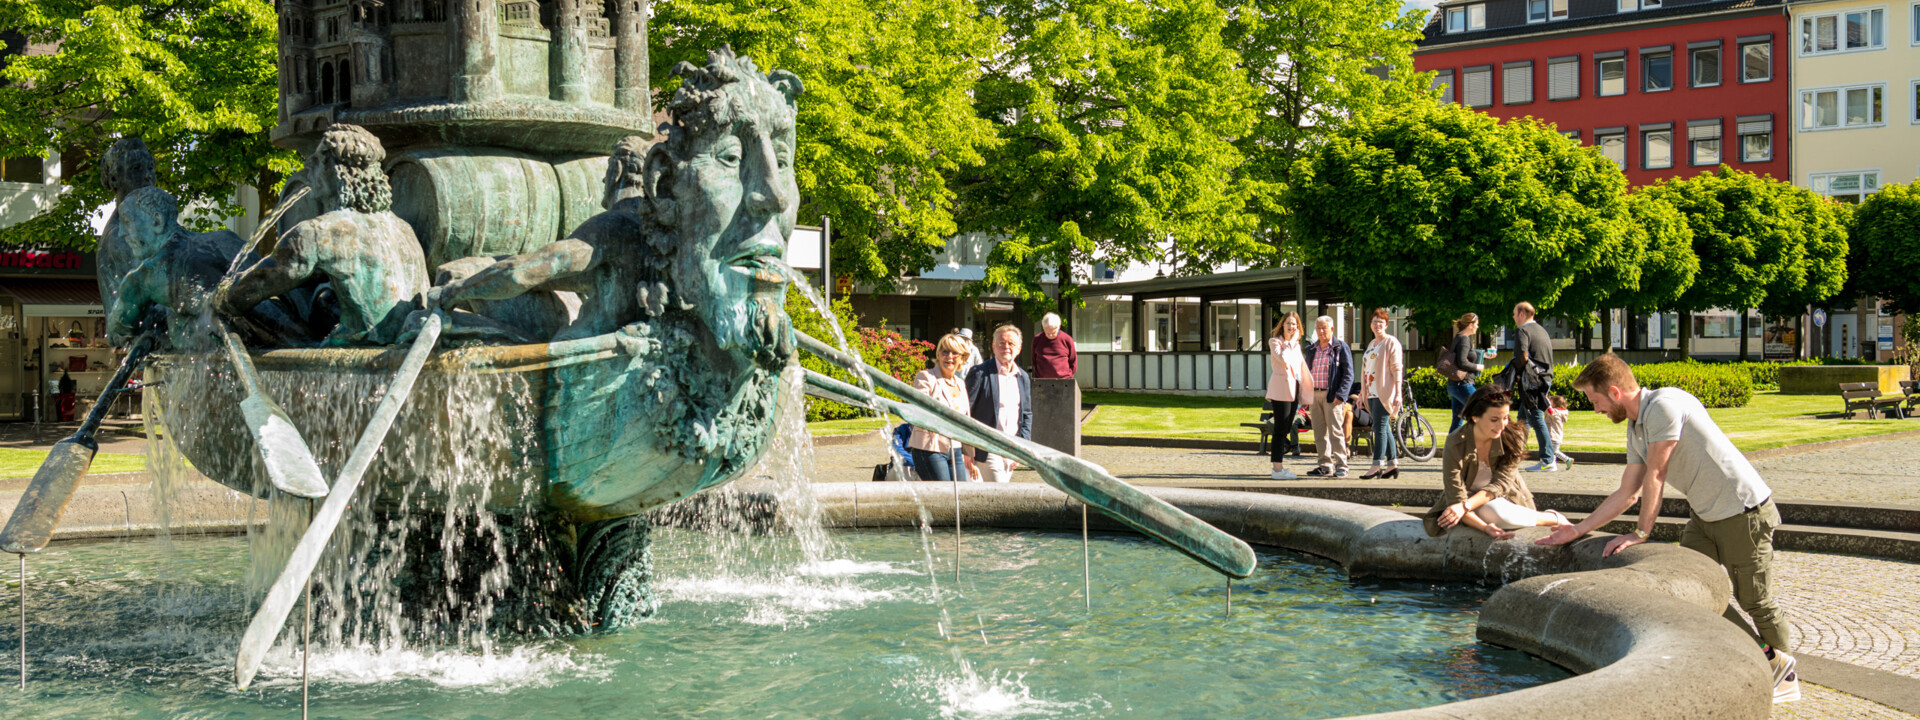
x: 987, y: 384
x: 1331, y: 362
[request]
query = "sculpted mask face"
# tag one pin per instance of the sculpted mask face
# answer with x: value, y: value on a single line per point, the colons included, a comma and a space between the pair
x: 733, y: 197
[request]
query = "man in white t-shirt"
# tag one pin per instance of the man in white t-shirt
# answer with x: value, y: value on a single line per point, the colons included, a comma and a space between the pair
x: 1671, y: 440
x: 1002, y: 397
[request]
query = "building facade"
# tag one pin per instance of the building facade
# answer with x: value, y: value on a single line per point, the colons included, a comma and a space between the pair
x: 1856, y: 90
x: 1665, y: 88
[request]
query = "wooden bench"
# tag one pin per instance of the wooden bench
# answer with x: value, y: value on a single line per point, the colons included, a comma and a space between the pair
x: 1910, y: 390
x: 1866, y: 395
x: 1266, y: 431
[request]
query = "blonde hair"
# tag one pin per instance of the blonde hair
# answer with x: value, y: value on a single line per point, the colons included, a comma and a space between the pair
x: 954, y: 342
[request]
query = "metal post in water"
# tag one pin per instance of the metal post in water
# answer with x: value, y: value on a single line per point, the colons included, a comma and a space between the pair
x: 306, y: 629
x: 1086, y: 559
x: 1229, y: 596
x: 956, y: 534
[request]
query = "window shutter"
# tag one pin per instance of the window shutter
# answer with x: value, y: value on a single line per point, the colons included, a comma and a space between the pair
x: 1479, y: 87
x: 1443, y: 81
x: 1563, y: 79
x: 1704, y: 130
x: 1516, y: 83
x: 1756, y: 126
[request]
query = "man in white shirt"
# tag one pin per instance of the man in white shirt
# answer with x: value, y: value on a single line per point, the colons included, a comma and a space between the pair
x: 1002, y: 397
x: 1672, y: 440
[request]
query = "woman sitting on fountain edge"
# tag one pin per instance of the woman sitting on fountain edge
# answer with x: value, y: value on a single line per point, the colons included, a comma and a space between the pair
x: 1480, y: 472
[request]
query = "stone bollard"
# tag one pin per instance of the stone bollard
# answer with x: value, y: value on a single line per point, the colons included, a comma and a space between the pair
x: 1056, y: 414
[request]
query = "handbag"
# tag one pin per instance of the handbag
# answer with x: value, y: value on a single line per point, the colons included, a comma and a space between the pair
x: 1449, y: 367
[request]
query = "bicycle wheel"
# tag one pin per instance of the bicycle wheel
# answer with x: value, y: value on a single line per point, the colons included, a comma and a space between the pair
x: 1415, y: 436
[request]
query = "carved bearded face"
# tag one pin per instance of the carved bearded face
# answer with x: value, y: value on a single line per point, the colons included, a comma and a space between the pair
x: 734, y: 200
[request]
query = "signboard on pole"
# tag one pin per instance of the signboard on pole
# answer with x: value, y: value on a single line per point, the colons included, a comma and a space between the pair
x: 1781, y: 342
x: 1886, y: 336
x: 1819, y: 318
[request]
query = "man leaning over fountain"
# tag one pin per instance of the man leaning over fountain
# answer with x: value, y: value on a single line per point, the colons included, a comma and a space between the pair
x: 367, y: 253
x: 1672, y: 440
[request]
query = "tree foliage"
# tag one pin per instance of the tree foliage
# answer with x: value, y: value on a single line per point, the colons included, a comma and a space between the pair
x: 1315, y: 65
x: 1117, y: 123
x: 1667, y: 265
x: 1444, y: 211
x: 1884, y: 247
x: 887, y: 120
x: 195, y: 78
x: 1755, y: 237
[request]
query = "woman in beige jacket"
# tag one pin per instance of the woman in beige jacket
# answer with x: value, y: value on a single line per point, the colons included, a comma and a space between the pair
x: 1290, y: 384
x: 1480, y: 473
x: 933, y: 453
x: 1380, y: 372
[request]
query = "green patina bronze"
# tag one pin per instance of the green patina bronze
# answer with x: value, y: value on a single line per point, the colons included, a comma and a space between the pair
x: 622, y: 315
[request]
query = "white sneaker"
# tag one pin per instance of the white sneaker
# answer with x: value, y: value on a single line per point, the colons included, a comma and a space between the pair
x: 1285, y: 474
x: 1786, y: 680
x: 1545, y: 467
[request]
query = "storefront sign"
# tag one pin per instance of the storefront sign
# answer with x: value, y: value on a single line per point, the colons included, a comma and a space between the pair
x: 39, y: 261
x: 1781, y: 343
x: 1886, y: 337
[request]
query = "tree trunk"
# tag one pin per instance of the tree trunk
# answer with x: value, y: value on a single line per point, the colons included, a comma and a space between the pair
x: 1606, y: 329
x: 1064, y: 303
x: 1686, y: 334
x: 263, y: 185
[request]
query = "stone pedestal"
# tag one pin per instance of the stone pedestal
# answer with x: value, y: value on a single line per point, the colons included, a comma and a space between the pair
x: 1056, y: 414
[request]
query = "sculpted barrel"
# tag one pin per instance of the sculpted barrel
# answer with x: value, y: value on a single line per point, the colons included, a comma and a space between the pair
x: 464, y: 202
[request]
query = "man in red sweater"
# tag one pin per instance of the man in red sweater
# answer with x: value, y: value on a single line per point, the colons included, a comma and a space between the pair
x: 1054, y: 355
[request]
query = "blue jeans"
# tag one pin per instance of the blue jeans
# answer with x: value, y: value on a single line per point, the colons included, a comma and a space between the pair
x: 1458, y: 393
x: 1537, y: 421
x: 1384, y: 452
x: 934, y: 466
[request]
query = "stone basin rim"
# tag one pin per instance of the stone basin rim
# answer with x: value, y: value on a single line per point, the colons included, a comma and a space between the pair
x: 1642, y: 629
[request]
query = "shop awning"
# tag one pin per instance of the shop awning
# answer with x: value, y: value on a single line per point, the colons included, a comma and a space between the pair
x: 55, y: 298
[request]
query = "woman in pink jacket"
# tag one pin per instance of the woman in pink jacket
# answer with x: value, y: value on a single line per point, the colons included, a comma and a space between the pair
x: 1380, y: 373
x: 1290, y: 385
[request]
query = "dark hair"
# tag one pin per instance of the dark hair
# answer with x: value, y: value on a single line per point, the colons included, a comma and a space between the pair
x: 1488, y: 396
x: 1513, y: 441
x: 1465, y: 321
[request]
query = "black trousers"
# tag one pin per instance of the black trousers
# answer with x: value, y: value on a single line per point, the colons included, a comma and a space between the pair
x: 1285, y: 440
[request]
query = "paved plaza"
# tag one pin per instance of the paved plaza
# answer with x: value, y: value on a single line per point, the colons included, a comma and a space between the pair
x: 1848, y: 609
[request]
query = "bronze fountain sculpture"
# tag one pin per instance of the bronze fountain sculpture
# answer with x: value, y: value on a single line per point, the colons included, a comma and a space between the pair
x: 625, y: 359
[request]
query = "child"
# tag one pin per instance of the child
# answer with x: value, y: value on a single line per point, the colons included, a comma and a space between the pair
x: 1556, y: 426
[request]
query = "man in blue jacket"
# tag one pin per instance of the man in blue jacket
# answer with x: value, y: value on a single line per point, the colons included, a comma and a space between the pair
x: 1001, y: 395
x: 1331, y: 362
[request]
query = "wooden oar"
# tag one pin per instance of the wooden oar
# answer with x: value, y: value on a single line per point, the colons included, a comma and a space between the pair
x: 1085, y: 481
x: 31, y: 526
x: 290, y: 586
x: 290, y: 465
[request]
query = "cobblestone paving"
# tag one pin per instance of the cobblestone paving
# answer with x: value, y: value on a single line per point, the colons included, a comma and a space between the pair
x: 1819, y: 703
x: 1851, y: 609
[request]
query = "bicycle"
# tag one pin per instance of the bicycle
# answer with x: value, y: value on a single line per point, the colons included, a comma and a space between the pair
x: 1411, y: 432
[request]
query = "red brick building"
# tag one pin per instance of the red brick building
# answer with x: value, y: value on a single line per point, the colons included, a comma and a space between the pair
x: 1665, y: 88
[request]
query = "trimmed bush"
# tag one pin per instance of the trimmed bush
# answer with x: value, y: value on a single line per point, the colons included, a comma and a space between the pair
x: 1718, y: 385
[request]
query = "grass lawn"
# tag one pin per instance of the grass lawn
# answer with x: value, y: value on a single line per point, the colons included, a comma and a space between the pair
x: 844, y: 427
x: 1770, y: 420
x: 19, y: 463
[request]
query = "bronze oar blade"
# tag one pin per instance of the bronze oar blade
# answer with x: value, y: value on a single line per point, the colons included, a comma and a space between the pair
x: 31, y: 526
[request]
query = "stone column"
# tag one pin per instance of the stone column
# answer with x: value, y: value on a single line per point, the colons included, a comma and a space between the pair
x: 630, y: 61
x: 475, y: 41
x: 569, y: 52
x: 1056, y: 414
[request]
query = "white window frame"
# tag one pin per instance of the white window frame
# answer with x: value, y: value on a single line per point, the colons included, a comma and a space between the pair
x: 1814, y: 181
x: 1743, y: 61
x: 1546, y: 11
x: 1557, y: 10
x: 1455, y: 13
x: 1599, y: 78
x: 1481, y: 24
x: 1839, y: 18
x: 1805, y: 123
x: 1720, y: 67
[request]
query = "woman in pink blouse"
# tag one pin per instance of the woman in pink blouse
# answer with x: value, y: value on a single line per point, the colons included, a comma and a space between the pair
x: 1380, y: 387
x: 1290, y: 384
x: 934, y: 454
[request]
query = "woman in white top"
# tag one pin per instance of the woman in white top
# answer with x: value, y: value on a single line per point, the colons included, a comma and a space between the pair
x: 933, y: 453
x: 1380, y: 373
x: 1290, y: 384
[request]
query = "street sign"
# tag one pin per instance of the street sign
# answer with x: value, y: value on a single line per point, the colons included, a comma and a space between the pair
x: 1819, y: 318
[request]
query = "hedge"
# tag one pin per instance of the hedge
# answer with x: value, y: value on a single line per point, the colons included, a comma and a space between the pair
x: 1717, y: 385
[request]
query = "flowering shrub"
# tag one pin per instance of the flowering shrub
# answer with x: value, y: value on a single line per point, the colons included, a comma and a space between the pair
x: 884, y: 349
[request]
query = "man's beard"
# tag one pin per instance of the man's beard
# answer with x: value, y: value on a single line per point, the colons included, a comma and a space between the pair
x: 1617, y: 413
x: 758, y: 328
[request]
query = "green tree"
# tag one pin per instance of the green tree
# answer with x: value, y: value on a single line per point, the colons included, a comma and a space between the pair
x: 1667, y: 265
x: 1315, y: 65
x: 1444, y: 210
x: 195, y: 78
x: 1753, y: 236
x: 1884, y: 247
x: 887, y: 119
x: 1117, y: 122
x: 1820, y: 272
